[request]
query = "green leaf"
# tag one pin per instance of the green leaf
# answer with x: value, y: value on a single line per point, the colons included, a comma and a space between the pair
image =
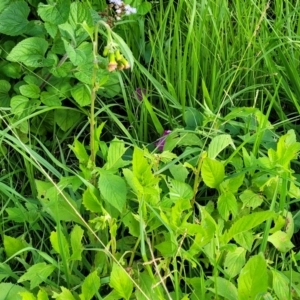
x: 121, y: 282
x: 11, y: 70
x: 42, y: 295
x: 31, y: 53
x: 281, y: 285
x: 234, y: 261
x: 64, y: 295
x: 248, y: 222
x: 50, y: 99
x: 253, y: 280
x: 76, y: 245
x: 60, y: 244
x: 81, y: 94
x: 180, y: 190
x: 192, y: 118
x: 79, y: 13
x: 213, y: 172
x: 168, y: 247
x: 115, y: 153
x: 27, y: 296
x: 51, y: 29
x: 179, y: 172
x: 12, y: 245
x: 22, y: 106
x: 76, y: 56
x: 56, y: 12
x: 132, y: 223
x: 144, y: 8
x: 245, y: 239
x: 30, y: 90
x: 66, y: 118
x: 113, y: 189
x: 90, y: 286
x: 11, y: 291
x: 281, y: 241
x: 91, y: 202
x: 251, y: 199
x: 147, y: 285
x: 227, y: 203
x: 218, y: 144
x: 224, y: 288
x: 13, y: 19
x: 37, y: 274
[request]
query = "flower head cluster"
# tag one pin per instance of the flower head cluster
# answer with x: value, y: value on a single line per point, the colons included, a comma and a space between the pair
x: 121, y: 8
x: 116, y: 61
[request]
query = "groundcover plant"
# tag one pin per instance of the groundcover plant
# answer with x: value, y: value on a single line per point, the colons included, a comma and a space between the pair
x: 149, y: 149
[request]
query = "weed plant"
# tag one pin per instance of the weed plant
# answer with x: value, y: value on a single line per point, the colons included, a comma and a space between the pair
x: 149, y: 155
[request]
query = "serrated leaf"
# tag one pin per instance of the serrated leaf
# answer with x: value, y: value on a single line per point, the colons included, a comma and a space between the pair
x: 37, y: 274
x: 66, y: 118
x: 281, y: 284
x: 245, y: 239
x: 11, y: 291
x: 76, y: 245
x: 224, y: 288
x: 90, y: 286
x: 79, y: 13
x: 91, y: 202
x: 253, y: 280
x: 64, y: 295
x: 22, y: 106
x: 234, y: 261
x: 60, y: 244
x: 251, y: 199
x: 121, y: 282
x: 113, y: 189
x: 132, y: 224
x: 13, y: 19
x: 30, y: 90
x: 115, y: 153
x: 180, y: 190
x: 42, y: 295
x: 81, y: 94
x: 218, y: 144
x: 281, y: 241
x: 30, y: 52
x: 50, y: 99
x: 227, y: 204
x: 27, y: 296
x: 248, y: 222
x: 213, y: 172
x: 12, y: 245
x: 55, y: 13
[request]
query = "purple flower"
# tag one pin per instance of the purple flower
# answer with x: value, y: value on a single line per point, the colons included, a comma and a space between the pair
x: 160, y: 143
x: 140, y: 92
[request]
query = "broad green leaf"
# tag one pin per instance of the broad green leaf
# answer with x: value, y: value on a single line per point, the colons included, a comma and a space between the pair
x: 76, y: 56
x: 179, y: 172
x: 42, y: 295
x: 133, y: 181
x: 192, y: 118
x: 81, y: 94
x: 91, y: 202
x: 27, y: 296
x: 218, y: 144
x: 213, y: 172
x: 232, y: 184
x: 248, y: 222
x: 133, y: 225
x: 227, y: 204
x: 144, y: 8
x: 11, y: 70
x: 169, y: 247
x: 31, y: 53
x: 64, y: 295
x: 76, y: 245
x: 234, y: 261
x: 121, y: 282
x: 115, y: 153
x: 13, y: 19
x: 281, y: 241
x: 4, y: 86
x: 79, y: 150
x: 60, y: 244
x: 90, y: 286
x: 10, y: 291
x: 251, y: 199
x: 37, y: 274
x: 12, y: 245
x: 253, y: 279
x: 281, y: 285
x: 50, y: 99
x: 79, y: 13
x: 245, y: 239
x: 51, y: 29
x: 30, y: 91
x: 4, y: 89
x: 56, y: 12
x: 113, y: 189
x: 180, y: 190
x: 224, y: 288
x: 22, y: 106
x: 66, y: 118
x: 147, y: 285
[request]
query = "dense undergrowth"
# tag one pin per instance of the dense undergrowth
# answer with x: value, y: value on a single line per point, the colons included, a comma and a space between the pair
x: 149, y: 149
